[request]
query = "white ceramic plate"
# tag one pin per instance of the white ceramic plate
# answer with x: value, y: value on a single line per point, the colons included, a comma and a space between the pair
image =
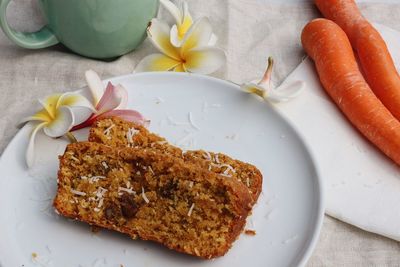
x: 287, y: 218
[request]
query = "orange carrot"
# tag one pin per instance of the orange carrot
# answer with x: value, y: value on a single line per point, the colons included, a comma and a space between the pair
x: 377, y: 64
x: 327, y: 44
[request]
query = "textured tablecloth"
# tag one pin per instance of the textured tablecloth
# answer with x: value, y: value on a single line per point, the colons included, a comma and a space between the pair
x: 249, y: 31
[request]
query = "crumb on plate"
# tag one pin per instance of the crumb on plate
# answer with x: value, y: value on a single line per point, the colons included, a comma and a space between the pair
x: 250, y: 232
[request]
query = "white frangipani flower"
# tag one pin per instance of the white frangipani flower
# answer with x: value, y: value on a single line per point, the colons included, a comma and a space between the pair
x: 264, y: 89
x: 194, y: 54
x: 59, y: 113
x: 63, y: 113
x: 183, y: 22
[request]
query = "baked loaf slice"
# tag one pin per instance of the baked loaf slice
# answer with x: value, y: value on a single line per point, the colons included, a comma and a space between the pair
x: 152, y: 196
x: 116, y: 132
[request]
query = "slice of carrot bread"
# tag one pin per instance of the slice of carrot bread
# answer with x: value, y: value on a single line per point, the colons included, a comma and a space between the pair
x: 152, y: 196
x: 116, y: 132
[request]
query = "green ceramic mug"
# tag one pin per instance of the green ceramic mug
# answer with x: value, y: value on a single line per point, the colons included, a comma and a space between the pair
x: 92, y: 28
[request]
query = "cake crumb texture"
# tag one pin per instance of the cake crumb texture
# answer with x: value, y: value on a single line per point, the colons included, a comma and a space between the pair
x: 116, y: 132
x: 152, y: 196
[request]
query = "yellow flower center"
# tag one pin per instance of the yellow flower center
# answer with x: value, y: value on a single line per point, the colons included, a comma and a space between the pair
x: 184, y: 27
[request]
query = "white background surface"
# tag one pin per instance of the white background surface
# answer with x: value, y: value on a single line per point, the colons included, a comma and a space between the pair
x: 287, y: 216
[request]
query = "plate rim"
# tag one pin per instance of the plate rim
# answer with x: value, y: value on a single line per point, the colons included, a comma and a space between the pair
x: 319, y: 182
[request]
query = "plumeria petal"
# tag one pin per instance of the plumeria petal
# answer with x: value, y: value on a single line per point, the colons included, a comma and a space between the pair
x: 50, y: 104
x: 264, y: 88
x: 173, y: 10
x: 95, y: 85
x: 286, y: 92
x: 123, y: 93
x: 80, y: 114
x: 187, y: 20
x: 87, y: 123
x: 254, y: 88
x: 79, y: 105
x: 156, y: 62
x: 183, y: 21
x: 185, y: 47
x: 174, y: 38
x: 177, y: 35
x: 266, y: 80
x: 158, y: 33
x: 129, y: 115
x: 180, y: 68
x: 72, y: 99
x: 204, y: 60
x: 283, y: 93
x: 30, y: 152
x: 110, y: 100
x: 213, y: 40
x: 61, y: 124
x: 41, y: 115
x: 198, y: 35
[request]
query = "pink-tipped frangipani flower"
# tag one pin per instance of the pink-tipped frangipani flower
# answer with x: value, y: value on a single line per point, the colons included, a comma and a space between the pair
x: 108, y: 102
x: 265, y: 89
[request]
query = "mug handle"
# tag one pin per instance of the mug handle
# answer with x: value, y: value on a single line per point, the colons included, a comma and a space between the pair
x: 35, y: 40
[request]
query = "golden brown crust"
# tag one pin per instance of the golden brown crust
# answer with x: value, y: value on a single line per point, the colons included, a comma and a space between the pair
x: 113, y: 131
x: 186, y: 208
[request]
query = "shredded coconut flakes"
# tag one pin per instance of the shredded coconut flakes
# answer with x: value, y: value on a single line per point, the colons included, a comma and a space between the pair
x: 75, y: 159
x: 191, y: 121
x: 162, y: 142
x: 100, y: 203
x: 190, y: 210
x: 99, y: 197
x: 216, y: 157
x: 127, y: 190
x: 104, y: 165
x: 207, y: 155
x: 290, y: 239
x: 226, y: 171
x: 228, y: 168
x: 151, y: 170
x: 130, y: 134
x: 79, y: 193
x: 100, y: 192
x: 144, y: 196
x: 108, y: 130
x: 95, y: 179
